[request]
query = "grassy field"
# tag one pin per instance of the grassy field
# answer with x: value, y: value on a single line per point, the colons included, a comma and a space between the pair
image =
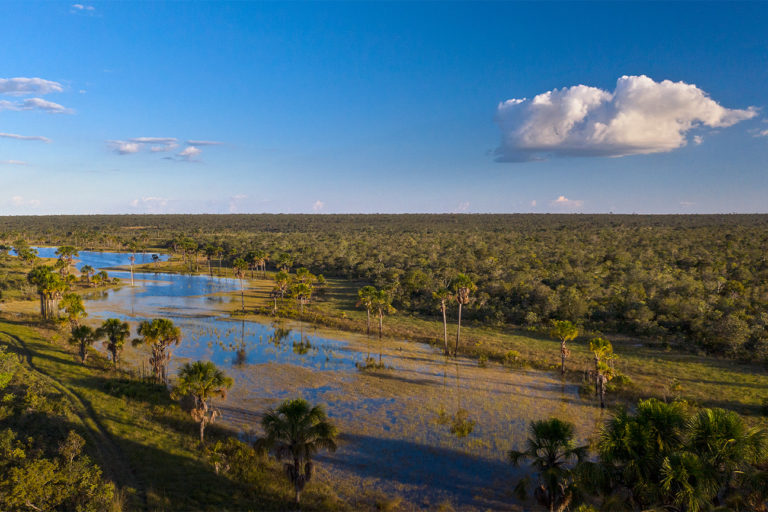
x: 144, y: 442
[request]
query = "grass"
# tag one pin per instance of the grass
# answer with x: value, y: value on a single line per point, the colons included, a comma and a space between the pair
x: 144, y: 440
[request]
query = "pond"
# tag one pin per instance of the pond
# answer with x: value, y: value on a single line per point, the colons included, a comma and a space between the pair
x: 396, y: 423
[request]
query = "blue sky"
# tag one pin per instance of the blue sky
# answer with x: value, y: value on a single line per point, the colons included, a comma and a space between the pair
x: 383, y: 107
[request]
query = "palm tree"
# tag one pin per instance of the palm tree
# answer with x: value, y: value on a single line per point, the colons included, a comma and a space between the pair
x: 551, y: 449
x: 72, y: 304
x: 202, y: 381
x: 462, y: 287
x: 87, y: 271
x: 160, y: 334
x: 66, y: 254
x: 302, y: 292
x: 116, y: 333
x: 260, y: 260
x: 210, y: 253
x: 603, y: 351
x: 565, y: 331
x: 84, y: 337
x: 443, y: 295
x: 240, y: 268
x: 50, y: 286
x: 365, y: 299
x: 284, y: 262
x: 382, y: 304
x: 281, y: 282
x: 296, y: 431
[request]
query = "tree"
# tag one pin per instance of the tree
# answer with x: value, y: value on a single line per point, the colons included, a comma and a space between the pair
x: 240, y: 267
x: 443, y: 295
x: 202, y: 381
x: 296, y: 431
x: 564, y: 331
x: 116, y: 333
x: 72, y: 304
x: 603, y: 351
x: 160, y: 334
x: 281, y: 282
x: 83, y: 336
x: 284, y: 262
x: 382, y: 304
x: 302, y: 292
x: 210, y: 252
x: 87, y: 271
x: 50, y: 287
x: 66, y: 254
x: 462, y: 287
x: 551, y: 449
x: 365, y: 298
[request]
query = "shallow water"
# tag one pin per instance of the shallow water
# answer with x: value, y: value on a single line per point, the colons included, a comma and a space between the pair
x: 395, y: 422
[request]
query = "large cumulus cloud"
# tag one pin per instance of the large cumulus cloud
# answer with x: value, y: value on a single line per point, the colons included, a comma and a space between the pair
x: 639, y: 116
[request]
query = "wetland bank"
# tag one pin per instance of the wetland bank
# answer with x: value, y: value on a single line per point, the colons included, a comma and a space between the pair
x: 396, y: 422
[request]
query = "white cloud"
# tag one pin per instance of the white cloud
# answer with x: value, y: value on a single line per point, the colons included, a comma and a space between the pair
x: 204, y: 143
x: 24, y: 137
x: 698, y: 139
x: 318, y: 206
x: 687, y: 203
x: 640, y: 116
x: 563, y: 202
x: 189, y: 153
x: 35, y: 104
x: 763, y: 133
x: 82, y: 7
x: 20, y: 201
x: 136, y: 144
x: 533, y: 203
x: 22, y: 86
x: 12, y: 162
x: 234, y: 202
x: 150, y: 204
x: 462, y: 207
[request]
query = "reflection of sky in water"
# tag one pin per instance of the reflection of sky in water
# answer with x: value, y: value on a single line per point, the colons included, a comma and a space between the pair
x: 101, y: 259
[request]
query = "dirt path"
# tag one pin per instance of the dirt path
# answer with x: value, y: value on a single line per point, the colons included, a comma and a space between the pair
x: 109, y: 453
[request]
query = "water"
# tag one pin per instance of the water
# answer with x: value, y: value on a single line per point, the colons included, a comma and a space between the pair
x: 393, y: 438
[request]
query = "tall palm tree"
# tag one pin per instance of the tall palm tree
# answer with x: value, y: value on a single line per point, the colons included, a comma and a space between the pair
x: 210, y: 253
x: 72, y: 304
x: 50, y: 287
x: 603, y: 351
x: 382, y: 304
x: 443, y: 295
x: 66, y: 254
x: 240, y: 268
x: 296, y: 431
x: 564, y: 331
x: 160, y: 334
x: 552, y: 451
x: 365, y: 297
x: 84, y: 337
x: 203, y: 381
x: 462, y: 287
x: 87, y: 271
x: 302, y: 292
x: 284, y: 262
x: 116, y: 333
x: 281, y: 282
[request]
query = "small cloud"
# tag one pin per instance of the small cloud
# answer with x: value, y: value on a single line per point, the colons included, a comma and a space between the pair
x: 136, y: 144
x: 204, y: 143
x: 318, y: 206
x: 762, y: 133
x: 24, y: 137
x: 462, y: 207
x: 687, y: 203
x: 565, y: 203
x: 22, y: 86
x: 698, y: 139
x: 12, y: 162
x: 21, y: 201
x: 122, y: 147
x: 35, y: 104
x: 150, y: 204
x: 533, y: 202
x: 83, y: 7
x: 234, y: 202
x: 189, y: 153
x: 640, y: 116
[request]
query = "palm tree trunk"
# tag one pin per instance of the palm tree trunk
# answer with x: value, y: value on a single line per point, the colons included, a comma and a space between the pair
x: 458, y: 333
x: 242, y: 295
x: 368, y: 323
x: 445, y: 329
x: 597, y: 374
x: 381, y: 323
x: 202, y: 429
x: 562, y: 357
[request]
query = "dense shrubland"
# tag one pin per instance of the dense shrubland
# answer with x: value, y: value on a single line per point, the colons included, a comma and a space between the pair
x: 700, y: 281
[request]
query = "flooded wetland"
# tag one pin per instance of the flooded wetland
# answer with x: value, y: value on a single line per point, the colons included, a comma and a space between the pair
x: 423, y: 427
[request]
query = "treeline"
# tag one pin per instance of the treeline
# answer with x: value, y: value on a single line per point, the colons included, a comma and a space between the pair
x: 700, y: 281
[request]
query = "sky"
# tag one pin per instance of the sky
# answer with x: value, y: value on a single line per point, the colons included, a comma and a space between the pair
x: 356, y: 107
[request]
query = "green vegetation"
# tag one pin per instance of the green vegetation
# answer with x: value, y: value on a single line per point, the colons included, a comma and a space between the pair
x: 202, y: 381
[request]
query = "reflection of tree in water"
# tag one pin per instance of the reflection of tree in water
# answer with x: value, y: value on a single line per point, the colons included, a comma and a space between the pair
x: 460, y: 423
x: 280, y: 333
